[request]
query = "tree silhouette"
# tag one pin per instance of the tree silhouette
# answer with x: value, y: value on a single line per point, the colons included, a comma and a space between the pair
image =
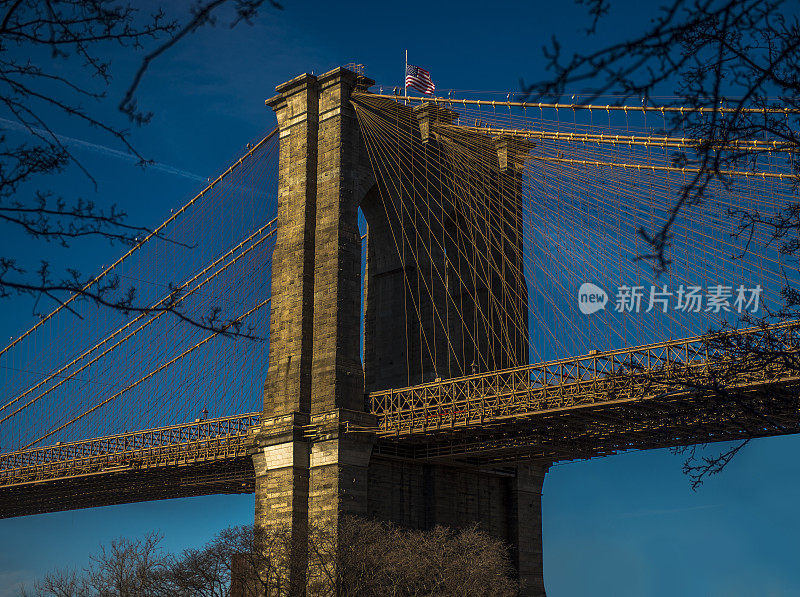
x: 734, y: 66
x: 361, y: 558
x: 54, y: 62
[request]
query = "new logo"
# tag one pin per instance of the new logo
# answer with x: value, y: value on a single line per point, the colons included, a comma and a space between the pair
x: 591, y: 298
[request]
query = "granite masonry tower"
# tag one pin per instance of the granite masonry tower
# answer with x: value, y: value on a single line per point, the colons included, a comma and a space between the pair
x: 313, y: 460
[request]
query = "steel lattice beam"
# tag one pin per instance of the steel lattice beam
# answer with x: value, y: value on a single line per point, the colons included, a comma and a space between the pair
x: 644, y: 397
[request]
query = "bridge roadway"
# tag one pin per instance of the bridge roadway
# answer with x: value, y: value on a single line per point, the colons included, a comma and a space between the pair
x: 653, y: 396
x: 199, y: 458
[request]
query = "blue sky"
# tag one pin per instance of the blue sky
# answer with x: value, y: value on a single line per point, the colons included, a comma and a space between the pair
x: 624, y: 525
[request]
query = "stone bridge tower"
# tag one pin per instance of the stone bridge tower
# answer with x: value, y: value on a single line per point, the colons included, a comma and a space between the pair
x: 310, y: 468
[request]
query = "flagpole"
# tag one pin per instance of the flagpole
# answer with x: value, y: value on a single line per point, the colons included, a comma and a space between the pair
x: 405, y: 85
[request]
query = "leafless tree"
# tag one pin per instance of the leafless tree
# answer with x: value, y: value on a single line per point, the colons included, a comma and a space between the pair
x: 732, y: 54
x: 59, y: 583
x: 125, y: 568
x: 359, y: 558
x: 54, y: 62
x: 245, y: 561
x: 735, y: 54
x: 376, y: 558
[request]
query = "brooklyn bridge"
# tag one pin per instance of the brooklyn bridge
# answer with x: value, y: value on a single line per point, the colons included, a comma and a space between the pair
x: 383, y: 295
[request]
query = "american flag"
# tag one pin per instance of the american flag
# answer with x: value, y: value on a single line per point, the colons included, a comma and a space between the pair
x: 419, y: 79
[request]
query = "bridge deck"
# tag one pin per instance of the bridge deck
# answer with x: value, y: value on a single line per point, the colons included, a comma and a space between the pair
x: 198, y: 458
x: 678, y: 392
x: 653, y: 396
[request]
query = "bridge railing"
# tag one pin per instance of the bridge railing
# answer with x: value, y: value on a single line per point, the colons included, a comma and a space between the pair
x: 675, y: 366
x: 200, y: 440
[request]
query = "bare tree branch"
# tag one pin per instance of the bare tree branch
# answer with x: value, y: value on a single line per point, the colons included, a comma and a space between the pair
x: 77, y: 34
x: 738, y: 55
